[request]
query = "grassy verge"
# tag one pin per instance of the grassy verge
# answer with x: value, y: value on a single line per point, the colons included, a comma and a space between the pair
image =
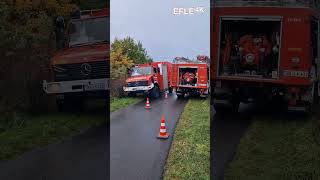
x: 42, y: 130
x: 283, y: 149
x: 36, y: 131
x: 189, y: 157
x: 118, y: 103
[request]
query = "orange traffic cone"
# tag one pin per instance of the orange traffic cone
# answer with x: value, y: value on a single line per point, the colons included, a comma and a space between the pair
x: 163, y: 131
x: 166, y: 95
x: 148, y: 104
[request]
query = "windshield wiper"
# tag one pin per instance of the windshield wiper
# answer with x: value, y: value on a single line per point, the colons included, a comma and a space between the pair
x: 89, y: 43
x: 100, y: 42
x: 80, y: 44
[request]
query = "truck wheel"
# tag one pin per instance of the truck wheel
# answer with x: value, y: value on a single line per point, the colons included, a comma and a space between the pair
x: 70, y: 104
x: 315, y: 93
x: 219, y: 109
x: 61, y: 105
x: 132, y: 94
x: 170, y: 89
x: 155, y: 92
x: 233, y: 107
x: 180, y: 96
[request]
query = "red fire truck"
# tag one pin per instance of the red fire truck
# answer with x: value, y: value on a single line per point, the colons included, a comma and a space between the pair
x: 150, y: 79
x: 190, y: 78
x: 81, y: 68
x: 265, y: 49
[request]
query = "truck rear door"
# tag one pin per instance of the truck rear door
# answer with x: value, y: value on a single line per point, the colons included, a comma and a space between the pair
x: 174, y: 75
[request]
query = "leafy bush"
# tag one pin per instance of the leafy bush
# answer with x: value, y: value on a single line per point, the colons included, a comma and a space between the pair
x: 27, y: 43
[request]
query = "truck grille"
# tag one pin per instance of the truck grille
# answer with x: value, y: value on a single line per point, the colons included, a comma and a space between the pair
x: 81, y: 71
x: 138, y: 83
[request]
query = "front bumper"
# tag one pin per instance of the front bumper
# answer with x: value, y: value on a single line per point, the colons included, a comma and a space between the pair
x: 138, y: 88
x: 75, y: 86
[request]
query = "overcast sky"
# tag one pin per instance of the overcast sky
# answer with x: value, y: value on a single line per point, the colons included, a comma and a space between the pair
x: 163, y: 34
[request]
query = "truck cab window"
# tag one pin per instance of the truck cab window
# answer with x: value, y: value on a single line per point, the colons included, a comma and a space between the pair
x: 89, y: 31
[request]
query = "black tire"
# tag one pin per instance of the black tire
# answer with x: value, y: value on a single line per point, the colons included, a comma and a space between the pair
x: 155, y: 92
x: 132, y: 94
x: 70, y: 104
x: 61, y: 105
x: 180, y: 96
x: 220, y: 109
x: 315, y: 94
x: 170, y: 90
x: 233, y: 108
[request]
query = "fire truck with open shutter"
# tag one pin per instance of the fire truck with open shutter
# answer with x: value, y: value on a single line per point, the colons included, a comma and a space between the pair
x: 265, y: 49
x: 81, y: 68
x: 150, y: 79
x: 190, y: 78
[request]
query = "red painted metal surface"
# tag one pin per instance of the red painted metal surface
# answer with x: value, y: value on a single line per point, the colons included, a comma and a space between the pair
x: 295, y: 40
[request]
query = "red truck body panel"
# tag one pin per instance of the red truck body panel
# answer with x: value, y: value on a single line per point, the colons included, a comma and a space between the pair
x: 82, y: 54
x: 202, y: 77
x: 295, y: 41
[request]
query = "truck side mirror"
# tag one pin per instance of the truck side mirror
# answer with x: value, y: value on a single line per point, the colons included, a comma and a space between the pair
x: 129, y: 71
x: 158, y: 69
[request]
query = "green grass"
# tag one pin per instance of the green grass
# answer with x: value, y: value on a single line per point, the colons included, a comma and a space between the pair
x: 189, y: 157
x: 43, y: 130
x: 277, y: 149
x: 119, y: 103
x: 25, y: 132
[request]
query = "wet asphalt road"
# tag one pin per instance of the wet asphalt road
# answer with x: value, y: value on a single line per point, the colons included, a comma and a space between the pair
x: 135, y: 152
x: 84, y: 157
x: 226, y: 132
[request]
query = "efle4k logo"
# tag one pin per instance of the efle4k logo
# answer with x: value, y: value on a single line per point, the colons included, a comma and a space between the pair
x: 188, y: 11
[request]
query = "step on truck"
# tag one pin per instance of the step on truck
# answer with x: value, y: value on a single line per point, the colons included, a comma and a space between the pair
x: 265, y: 50
x: 80, y: 69
x: 149, y: 79
x: 191, y: 79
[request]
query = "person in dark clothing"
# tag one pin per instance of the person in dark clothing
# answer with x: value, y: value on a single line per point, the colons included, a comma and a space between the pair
x: 60, y: 32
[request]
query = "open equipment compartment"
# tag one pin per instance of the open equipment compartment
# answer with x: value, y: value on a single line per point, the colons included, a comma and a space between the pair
x: 188, y: 76
x: 249, y: 46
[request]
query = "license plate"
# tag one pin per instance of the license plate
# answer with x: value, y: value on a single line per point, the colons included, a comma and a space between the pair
x: 97, y: 86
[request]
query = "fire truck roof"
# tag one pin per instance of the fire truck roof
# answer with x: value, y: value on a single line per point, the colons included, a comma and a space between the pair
x: 267, y: 3
x: 87, y: 14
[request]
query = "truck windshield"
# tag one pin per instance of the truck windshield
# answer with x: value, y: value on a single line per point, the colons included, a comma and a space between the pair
x: 138, y: 71
x: 89, y: 31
